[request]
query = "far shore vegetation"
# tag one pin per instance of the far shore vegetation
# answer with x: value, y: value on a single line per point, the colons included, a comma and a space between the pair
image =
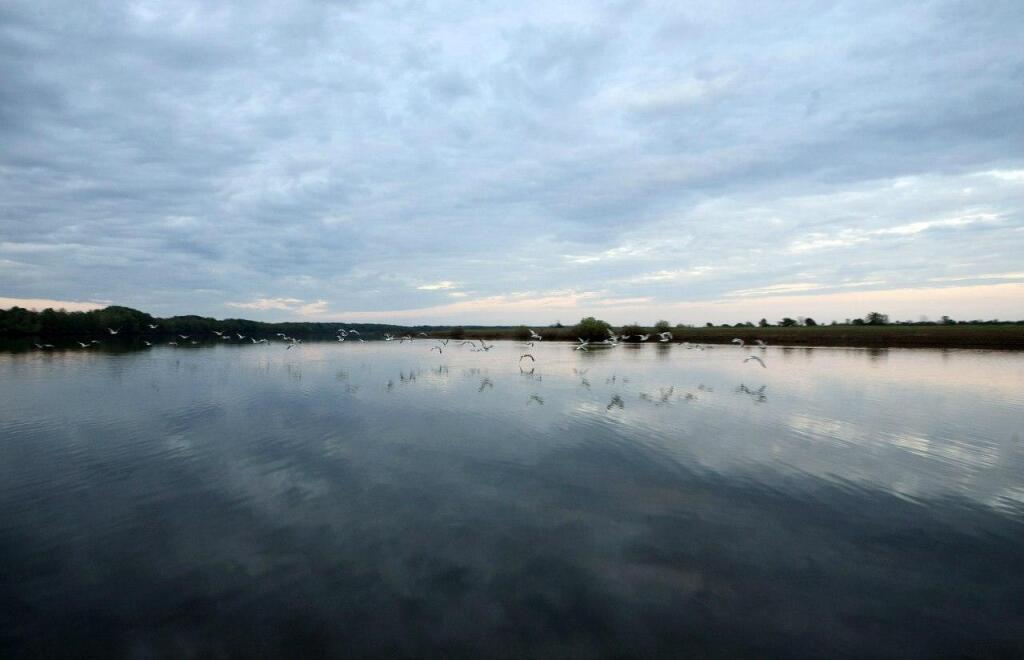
x: 874, y: 330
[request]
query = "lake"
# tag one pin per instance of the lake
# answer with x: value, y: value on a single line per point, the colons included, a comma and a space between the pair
x: 384, y: 499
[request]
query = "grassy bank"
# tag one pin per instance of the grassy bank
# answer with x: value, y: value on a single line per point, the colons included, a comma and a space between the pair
x: 1002, y: 336
x: 132, y: 325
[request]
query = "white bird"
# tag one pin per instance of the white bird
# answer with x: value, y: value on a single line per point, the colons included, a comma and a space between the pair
x: 219, y: 333
x: 484, y: 346
x: 83, y: 345
x: 146, y: 343
x: 112, y: 331
x: 756, y: 359
x: 738, y: 341
x: 353, y: 332
x: 437, y: 348
x: 527, y: 355
x: 240, y: 335
x: 172, y: 343
x: 665, y: 336
x: 422, y: 334
x: 153, y: 326
x: 644, y: 337
x: 467, y: 341
x: 582, y: 346
x: 388, y: 337
x: 43, y: 347
x: 340, y: 338
x: 184, y: 336
x: 534, y: 335
x: 761, y: 344
x: 341, y: 331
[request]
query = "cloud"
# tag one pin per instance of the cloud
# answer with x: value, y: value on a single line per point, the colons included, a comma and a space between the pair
x: 41, y: 304
x: 437, y: 286
x: 268, y: 303
x: 293, y: 159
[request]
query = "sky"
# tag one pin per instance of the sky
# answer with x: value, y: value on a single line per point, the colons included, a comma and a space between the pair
x: 500, y: 163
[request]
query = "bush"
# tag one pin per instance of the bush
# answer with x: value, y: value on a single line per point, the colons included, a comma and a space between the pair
x: 662, y: 326
x: 787, y: 322
x: 810, y: 322
x: 523, y: 333
x: 632, y: 330
x: 458, y: 332
x: 591, y: 329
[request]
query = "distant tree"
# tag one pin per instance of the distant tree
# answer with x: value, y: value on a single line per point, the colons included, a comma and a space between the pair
x: 875, y: 318
x: 662, y: 326
x: 709, y: 324
x: 787, y: 322
x: 591, y: 329
x: 763, y: 323
x: 557, y: 324
x: 632, y: 331
x: 858, y: 321
x: 947, y: 321
x: 810, y: 322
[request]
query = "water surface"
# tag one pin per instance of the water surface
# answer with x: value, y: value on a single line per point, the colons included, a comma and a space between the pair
x: 382, y: 499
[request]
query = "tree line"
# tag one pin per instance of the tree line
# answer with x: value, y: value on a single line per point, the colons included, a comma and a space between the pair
x: 18, y: 321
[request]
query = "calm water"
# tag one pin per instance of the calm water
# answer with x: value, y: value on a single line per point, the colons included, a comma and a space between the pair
x: 382, y: 499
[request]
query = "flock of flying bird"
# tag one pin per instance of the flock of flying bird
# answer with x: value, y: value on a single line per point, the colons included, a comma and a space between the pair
x: 478, y: 345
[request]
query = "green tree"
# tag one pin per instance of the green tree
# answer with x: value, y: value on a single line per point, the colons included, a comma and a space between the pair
x: 810, y: 322
x: 591, y: 329
x: 763, y: 323
x: 662, y: 326
x: 875, y: 318
x: 787, y: 322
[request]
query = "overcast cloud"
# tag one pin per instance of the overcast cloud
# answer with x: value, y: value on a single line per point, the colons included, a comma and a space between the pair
x: 514, y: 162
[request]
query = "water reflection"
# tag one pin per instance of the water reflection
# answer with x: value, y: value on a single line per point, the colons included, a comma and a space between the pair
x: 361, y: 499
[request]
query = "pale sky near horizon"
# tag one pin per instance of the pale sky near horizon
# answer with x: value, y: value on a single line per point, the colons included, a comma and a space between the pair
x: 500, y: 163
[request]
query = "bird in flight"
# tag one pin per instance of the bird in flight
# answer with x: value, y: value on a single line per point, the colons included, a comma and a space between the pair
x: 527, y: 355
x: 112, y: 331
x: 534, y: 335
x: 738, y: 341
x: 665, y: 336
x: 756, y: 359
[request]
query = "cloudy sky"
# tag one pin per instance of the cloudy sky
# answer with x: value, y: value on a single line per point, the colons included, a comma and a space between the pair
x: 499, y: 162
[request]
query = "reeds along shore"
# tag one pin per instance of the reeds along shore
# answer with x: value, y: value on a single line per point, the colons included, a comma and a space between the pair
x: 980, y: 336
x: 21, y: 326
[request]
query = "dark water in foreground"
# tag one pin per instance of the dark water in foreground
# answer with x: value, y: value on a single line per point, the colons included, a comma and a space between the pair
x: 383, y: 500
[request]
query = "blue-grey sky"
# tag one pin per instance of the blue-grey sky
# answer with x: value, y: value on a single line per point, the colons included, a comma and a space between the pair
x: 501, y: 162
